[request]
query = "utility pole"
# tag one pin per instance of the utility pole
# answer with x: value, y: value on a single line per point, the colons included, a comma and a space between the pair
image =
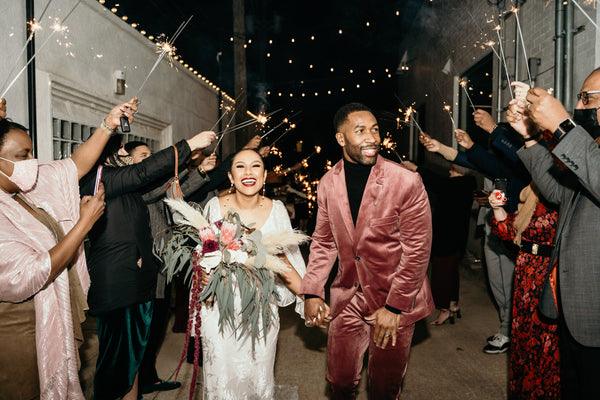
x: 239, y: 67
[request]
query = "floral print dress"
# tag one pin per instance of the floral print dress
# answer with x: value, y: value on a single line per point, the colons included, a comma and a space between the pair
x: 534, y: 353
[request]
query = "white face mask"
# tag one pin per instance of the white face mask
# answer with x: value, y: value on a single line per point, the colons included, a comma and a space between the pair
x: 24, y: 173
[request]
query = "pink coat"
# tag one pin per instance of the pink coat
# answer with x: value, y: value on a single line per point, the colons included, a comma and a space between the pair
x: 387, y: 253
x: 25, y: 268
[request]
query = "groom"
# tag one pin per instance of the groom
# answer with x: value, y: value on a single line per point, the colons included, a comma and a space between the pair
x: 374, y: 217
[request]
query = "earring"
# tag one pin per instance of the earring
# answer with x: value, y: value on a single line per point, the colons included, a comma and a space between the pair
x: 228, y: 193
x: 263, y: 194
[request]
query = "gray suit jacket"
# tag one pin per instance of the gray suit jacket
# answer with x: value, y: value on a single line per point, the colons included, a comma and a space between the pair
x: 579, y: 252
x: 189, y: 182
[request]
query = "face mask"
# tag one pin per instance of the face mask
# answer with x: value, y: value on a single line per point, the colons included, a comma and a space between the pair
x: 24, y: 173
x: 588, y: 119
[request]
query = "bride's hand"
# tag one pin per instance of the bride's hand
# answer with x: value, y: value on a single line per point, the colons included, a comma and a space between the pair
x: 204, y: 277
x: 316, y: 312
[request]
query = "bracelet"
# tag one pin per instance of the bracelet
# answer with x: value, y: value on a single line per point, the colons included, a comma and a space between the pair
x: 533, y: 137
x: 106, y: 129
x: 202, y: 171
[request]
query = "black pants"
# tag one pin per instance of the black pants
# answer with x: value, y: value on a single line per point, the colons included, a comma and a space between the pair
x: 579, y: 367
x: 158, y: 328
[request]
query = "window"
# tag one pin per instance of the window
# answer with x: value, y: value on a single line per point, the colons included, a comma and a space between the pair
x: 67, y: 136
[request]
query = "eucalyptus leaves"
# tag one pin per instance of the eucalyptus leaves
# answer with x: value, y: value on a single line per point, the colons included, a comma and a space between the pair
x: 238, y: 259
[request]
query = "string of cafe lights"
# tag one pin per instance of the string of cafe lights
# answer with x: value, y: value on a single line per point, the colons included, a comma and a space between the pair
x: 176, y: 57
x: 248, y: 42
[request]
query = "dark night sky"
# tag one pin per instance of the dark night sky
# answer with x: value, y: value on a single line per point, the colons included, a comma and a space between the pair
x: 372, y: 31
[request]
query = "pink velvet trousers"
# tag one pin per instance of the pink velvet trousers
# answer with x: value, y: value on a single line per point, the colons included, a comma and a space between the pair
x: 349, y: 338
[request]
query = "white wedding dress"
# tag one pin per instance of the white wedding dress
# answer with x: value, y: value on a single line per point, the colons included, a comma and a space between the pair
x: 232, y: 369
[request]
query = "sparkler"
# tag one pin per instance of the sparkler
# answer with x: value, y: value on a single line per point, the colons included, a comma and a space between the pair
x: 262, y: 119
x: 34, y: 26
x: 497, y: 29
x: 166, y: 48
x: 226, y: 127
x: 56, y: 27
x: 410, y: 115
x: 447, y: 108
x: 463, y: 83
x: 292, y: 126
x: 227, y: 109
x: 586, y: 14
x: 305, y: 161
x: 285, y: 121
x: 515, y: 10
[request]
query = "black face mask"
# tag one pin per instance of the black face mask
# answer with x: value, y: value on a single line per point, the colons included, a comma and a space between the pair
x: 588, y: 119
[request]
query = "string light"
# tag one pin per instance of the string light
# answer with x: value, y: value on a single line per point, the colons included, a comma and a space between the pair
x: 60, y: 28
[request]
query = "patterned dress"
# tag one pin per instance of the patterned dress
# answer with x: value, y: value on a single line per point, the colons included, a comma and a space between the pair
x: 534, y: 353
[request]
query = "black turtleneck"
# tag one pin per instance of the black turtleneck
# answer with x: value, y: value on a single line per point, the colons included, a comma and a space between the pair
x: 356, y: 181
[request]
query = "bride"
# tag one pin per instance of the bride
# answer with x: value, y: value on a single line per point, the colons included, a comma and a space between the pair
x: 235, y: 368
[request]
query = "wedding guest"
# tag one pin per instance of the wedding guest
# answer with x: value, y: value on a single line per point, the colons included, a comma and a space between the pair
x: 122, y: 268
x: 43, y: 272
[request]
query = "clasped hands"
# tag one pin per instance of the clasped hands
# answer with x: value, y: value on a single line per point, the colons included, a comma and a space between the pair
x: 316, y: 312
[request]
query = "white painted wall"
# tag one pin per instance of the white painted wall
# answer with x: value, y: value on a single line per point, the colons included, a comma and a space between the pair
x: 75, y: 71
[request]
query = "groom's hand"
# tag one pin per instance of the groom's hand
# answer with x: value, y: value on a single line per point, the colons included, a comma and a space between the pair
x: 316, y: 312
x: 386, y: 326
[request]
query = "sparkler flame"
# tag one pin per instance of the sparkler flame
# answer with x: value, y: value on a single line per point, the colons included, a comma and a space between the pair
x: 262, y: 119
x: 34, y: 26
x: 388, y: 143
x: 57, y: 26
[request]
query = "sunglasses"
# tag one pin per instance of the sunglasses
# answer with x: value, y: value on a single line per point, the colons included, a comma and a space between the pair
x: 585, y: 96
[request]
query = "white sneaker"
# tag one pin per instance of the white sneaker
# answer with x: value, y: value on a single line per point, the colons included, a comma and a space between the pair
x: 498, y: 344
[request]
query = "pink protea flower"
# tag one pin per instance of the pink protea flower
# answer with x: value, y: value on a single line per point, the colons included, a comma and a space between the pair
x: 234, y: 245
x: 207, y: 234
x: 228, y: 231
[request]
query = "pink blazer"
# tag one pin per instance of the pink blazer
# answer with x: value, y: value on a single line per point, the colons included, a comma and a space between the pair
x: 387, y: 253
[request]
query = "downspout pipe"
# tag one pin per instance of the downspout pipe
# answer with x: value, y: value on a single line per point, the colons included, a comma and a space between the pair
x: 568, y: 56
x: 31, y: 99
x: 559, y: 38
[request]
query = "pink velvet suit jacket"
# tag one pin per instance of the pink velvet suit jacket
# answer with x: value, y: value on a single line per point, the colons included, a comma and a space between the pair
x: 387, y: 253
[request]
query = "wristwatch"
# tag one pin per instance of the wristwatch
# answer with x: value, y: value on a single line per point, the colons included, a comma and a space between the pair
x: 564, y: 128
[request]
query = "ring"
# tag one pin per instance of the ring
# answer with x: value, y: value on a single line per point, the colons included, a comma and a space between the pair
x: 387, y: 335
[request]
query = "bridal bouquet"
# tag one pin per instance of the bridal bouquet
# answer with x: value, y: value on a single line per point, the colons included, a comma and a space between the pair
x: 236, y: 256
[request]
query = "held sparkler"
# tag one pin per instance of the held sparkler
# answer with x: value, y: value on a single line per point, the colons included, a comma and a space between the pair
x: 497, y: 29
x: 56, y: 27
x: 515, y: 10
x: 34, y: 26
x: 166, y: 48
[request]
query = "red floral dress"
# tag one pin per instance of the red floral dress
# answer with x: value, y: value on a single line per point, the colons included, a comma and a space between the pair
x: 534, y: 352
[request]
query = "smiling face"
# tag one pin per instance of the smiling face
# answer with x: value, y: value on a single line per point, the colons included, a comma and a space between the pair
x: 247, y: 172
x: 359, y: 138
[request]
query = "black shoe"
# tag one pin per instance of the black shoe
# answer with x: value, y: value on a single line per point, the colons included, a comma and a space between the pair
x: 498, y: 344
